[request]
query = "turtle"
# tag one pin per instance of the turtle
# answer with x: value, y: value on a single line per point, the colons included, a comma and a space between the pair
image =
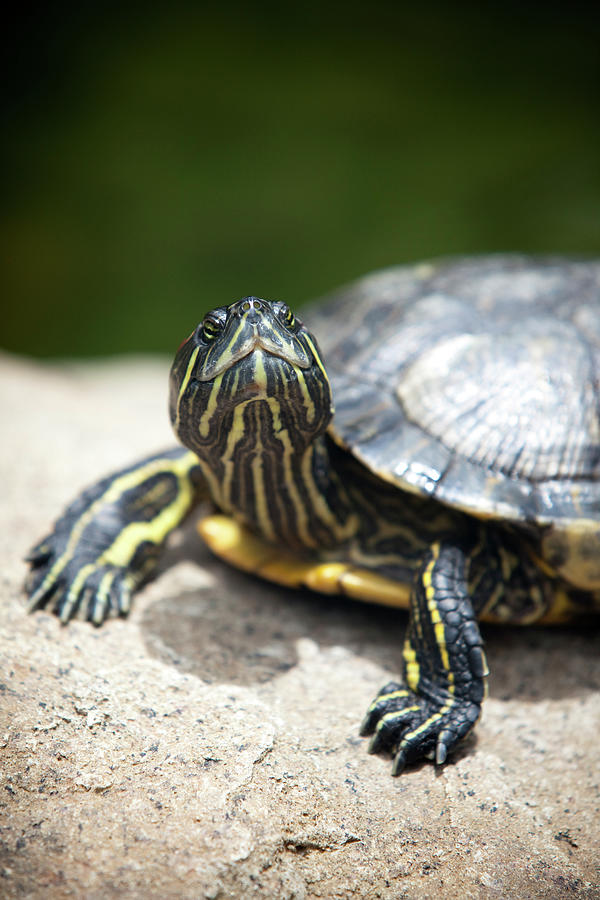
x: 459, y: 477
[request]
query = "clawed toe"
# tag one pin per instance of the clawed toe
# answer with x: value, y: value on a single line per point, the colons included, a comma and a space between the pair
x: 411, y: 727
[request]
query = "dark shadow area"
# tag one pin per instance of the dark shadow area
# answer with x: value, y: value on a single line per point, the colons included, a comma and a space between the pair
x: 535, y: 663
x: 244, y: 631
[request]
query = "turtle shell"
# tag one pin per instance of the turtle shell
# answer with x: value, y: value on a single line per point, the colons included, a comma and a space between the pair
x: 473, y: 381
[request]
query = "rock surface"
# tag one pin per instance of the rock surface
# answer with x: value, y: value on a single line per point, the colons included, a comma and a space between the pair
x: 207, y: 747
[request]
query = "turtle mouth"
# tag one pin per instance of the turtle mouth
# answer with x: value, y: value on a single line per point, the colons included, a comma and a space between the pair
x: 290, y: 350
x: 260, y: 374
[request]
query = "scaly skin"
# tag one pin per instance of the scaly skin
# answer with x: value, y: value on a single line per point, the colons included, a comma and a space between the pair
x: 108, y: 542
x: 444, y: 668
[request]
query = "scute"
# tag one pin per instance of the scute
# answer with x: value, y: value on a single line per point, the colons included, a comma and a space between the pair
x: 473, y: 381
x: 520, y: 402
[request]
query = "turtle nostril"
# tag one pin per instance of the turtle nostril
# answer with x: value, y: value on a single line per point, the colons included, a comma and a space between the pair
x: 250, y: 306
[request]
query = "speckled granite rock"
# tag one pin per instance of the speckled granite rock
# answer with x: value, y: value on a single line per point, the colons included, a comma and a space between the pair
x: 208, y: 746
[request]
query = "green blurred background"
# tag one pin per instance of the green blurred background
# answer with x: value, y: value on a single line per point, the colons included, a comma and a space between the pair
x: 161, y: 159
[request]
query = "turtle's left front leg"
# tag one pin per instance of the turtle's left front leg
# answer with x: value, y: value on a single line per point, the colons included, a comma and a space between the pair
x: 444, y: 668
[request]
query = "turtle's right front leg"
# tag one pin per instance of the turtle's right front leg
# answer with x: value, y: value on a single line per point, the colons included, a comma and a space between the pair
x: 444, y: 667
x: 108, y: 541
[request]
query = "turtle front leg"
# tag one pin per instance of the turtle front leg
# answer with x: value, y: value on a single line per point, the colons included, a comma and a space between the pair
x: 444, y: 668
x: 108, y: 542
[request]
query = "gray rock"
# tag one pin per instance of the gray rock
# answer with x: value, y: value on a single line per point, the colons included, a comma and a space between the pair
x: 207, y: 747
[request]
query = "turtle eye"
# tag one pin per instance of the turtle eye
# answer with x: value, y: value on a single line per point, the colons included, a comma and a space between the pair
x: 211, y: 328
x: 287, y: 317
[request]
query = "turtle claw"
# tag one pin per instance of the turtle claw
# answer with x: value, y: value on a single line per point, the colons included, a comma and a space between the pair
x: 390, y: 726
x: 390, y: 697
x: 67, y: 583
x: 41, y: 590
x: 99, y: 590
x: 124, y: 598
x: 68, y: 607
x: 444, y: 742
x: 412, y: 727
x: 40, y: 553
x: 399, y: 763
x: 41, y: 596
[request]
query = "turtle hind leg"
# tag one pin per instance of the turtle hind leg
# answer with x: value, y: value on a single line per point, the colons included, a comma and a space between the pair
x: 444, y: 668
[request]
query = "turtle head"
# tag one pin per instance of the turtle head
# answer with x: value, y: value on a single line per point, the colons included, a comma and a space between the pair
x: 249, y: 373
